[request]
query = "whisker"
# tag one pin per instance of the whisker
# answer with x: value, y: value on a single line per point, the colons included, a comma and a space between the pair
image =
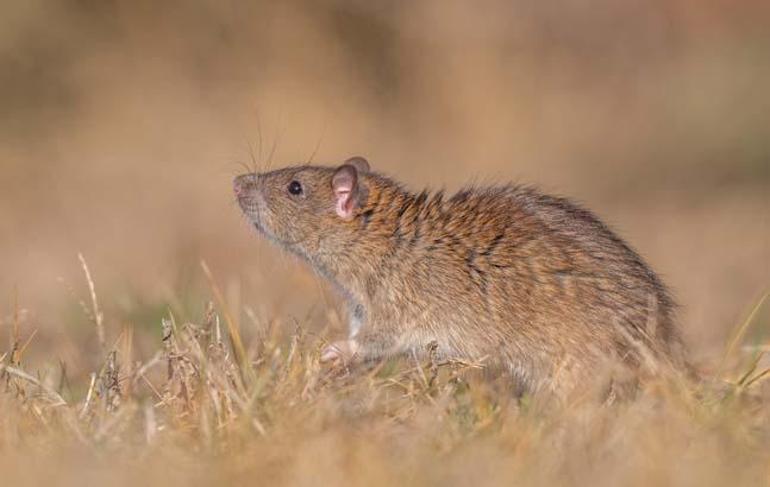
x: 244, y: 166
x: 253, y: 170
x: 317, y: 145
x: 258, y: 163
x: 277, y: 139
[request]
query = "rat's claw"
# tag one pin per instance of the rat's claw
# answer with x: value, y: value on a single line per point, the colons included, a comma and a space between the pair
x: 341, y: 351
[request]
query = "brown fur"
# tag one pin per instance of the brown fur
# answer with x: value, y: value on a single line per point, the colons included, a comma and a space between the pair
x: 531, y: 283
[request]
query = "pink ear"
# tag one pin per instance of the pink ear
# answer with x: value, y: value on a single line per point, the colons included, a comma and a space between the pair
x: 361, y: 164
x: 345, y: 187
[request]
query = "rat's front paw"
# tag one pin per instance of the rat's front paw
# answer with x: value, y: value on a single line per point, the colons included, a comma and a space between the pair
x: 342, y: 351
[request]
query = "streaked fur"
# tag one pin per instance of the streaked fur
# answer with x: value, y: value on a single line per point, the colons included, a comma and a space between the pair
x: 532, y: 283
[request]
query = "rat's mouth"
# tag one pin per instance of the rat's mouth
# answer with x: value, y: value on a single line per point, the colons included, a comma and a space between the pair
x: 253, y: 205
x: 254, y: 213
x: 258, y: 226
x: 250, y: 209
x: 260, y: 218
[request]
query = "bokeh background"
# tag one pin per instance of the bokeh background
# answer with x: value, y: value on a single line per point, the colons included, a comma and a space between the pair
x: 122, y: 124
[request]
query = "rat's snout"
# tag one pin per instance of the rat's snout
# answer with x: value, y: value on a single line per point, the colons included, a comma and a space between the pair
x: 247, y: 193
x: 244, y: 184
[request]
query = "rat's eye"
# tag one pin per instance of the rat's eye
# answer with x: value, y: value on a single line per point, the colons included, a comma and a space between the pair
x: 295, y: 188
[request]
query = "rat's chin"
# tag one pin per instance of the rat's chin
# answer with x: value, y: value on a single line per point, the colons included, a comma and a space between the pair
x: 257, y: 225
x: 286, y: 242
x: 252, y: 215
x: 261, y: 221
x: 260, y: 226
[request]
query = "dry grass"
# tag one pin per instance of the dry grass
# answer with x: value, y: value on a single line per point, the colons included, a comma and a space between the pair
x: 202, y: 412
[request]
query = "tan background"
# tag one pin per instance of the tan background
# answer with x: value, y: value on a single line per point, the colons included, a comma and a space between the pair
x: 122, y: 124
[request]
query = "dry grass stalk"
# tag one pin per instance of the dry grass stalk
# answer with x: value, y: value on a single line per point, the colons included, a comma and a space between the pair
x: 421, y: 414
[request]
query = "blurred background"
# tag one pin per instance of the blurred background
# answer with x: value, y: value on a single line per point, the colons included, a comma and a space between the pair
x: 122, y: 124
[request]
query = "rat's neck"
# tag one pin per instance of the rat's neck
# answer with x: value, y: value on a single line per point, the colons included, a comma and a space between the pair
x: 390, y: 225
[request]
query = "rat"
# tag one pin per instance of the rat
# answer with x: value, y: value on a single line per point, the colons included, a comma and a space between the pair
x: 508, y: 276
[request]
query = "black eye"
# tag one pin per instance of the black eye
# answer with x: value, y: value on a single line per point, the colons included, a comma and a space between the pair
x: 295, y: 188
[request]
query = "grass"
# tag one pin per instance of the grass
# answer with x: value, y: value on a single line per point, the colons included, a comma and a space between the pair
x: 210, y: 408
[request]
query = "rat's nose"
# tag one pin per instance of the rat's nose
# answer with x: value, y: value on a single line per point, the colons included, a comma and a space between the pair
x: 243, y: 183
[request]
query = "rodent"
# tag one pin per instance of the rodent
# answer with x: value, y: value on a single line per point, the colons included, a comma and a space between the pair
x: 529, y: 283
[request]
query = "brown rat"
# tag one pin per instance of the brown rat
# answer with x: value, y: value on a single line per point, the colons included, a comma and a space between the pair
x: 527, y: 282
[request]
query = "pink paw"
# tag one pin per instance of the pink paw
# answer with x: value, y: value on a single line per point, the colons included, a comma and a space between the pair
x: 340, y: 351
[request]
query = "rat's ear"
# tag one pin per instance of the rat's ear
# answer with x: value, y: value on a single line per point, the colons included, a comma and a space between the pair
x: 361, y: 164
x: 346, y: 190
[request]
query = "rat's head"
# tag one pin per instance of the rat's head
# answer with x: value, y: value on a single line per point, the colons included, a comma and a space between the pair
x: 301, y: 207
